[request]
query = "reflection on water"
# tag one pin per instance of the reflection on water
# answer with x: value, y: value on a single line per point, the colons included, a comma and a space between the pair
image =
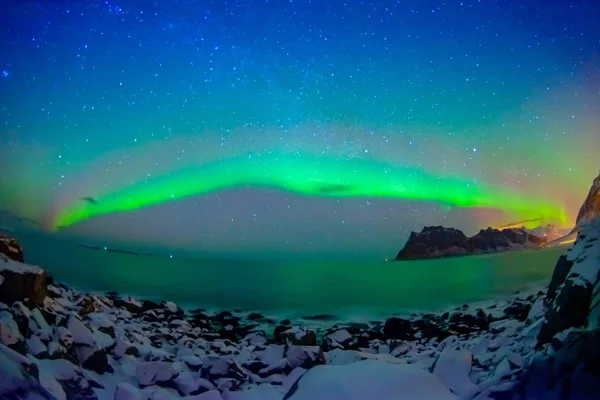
x: 309, y: 287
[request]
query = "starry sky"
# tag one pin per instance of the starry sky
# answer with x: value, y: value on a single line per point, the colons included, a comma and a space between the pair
x: 294, y: 128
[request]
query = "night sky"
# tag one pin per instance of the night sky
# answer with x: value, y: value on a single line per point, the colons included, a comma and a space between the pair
x: 294, y: 128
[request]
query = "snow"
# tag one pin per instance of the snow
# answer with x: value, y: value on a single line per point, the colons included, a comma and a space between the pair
x: 585, y: 254
x: 49, y: 383
x: 151, y: 372
x: 99, y: 320
x: 81, y: 334
x: 126, y: 391
x: 453, y: 368
x: 210, y: 395
x: 370, y: 380
x: 43, y: 329
x: 35, y: 345
x: 9, y: 331
x: 61, y: 369
x: 17, y: 267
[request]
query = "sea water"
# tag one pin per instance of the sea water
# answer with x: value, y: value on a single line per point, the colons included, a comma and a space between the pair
x: 305, y: 287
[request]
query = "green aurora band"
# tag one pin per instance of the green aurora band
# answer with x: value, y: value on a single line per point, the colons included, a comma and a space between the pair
x: 313, y: 176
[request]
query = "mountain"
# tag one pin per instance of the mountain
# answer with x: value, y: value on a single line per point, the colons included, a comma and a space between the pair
x: 438, y: 242
x: 548, y: 232
x: 591, y: 206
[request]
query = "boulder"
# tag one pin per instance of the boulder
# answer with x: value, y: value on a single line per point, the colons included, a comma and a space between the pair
x: 19, y: 377
x: 453, y: 368
x: 398, y: 328
x: 22, y: 282
x: 299, y: 336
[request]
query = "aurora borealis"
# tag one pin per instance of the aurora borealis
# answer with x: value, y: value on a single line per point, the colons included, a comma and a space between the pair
x: 319, y: 127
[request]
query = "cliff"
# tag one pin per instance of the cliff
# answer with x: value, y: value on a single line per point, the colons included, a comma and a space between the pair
x: 590, y: 208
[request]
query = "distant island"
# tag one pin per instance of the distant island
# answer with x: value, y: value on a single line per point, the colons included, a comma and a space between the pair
x: 440, y: 242
x: 134, y: 253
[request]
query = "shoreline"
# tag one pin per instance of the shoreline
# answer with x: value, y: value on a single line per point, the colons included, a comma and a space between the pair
x: 114, y: 336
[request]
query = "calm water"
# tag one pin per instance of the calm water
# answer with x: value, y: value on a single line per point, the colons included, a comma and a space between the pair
x: 306, y: 287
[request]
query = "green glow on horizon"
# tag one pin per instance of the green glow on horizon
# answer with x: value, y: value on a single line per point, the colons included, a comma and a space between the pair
x: 313, y: 176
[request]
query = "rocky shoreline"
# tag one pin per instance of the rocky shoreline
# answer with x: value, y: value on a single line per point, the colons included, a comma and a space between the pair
x: 61, y: 343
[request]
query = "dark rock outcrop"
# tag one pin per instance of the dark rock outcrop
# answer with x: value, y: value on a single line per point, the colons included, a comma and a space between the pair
x: 570, y: 370
x: 573, y: 297
x: 437, y: 242
x: 11, y: 248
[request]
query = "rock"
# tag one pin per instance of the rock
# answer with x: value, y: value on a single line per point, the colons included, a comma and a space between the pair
x: 148, y: 305
x: 574, y: 360
x: 437, y: 241
x: 518, y: 311
x: 48, y: 382
x: 22, y: 282
x: 299, y: 336
x: 126, y: 391
x: 36, y: 347
x: 41, y: 328
x: 572, y: 304
x: 71, y: 378
x: 304, y: 357
x: 11, y: 248
x: 19, y: 378
x: 97, y: 362
x: 216, y: 368
x: 398, y: 328
x: 340, y: 338
x: 10, y: 335
x: 155, y: 372
x: 368, y: 380
x: 279, y: 329
x: 561, y: 270
x: 258, y: 338
x: 89, y: 350
x: 190, y: 383
x: 130, y: 304
x: 255, y: 317
x: 453, y: 368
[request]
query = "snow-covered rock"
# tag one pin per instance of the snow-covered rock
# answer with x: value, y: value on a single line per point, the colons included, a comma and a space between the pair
x: 453, y: 368
x: 576, y: 299
x: 368, y: 380
x: 22, y: 282
x: 126, y: 391
x: 154, y: 372
x: 9, y: 330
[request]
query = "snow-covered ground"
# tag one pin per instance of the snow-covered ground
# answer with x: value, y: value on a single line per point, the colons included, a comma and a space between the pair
x: 88, y: 346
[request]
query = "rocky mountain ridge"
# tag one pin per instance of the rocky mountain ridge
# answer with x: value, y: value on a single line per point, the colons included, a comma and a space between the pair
x: 591, y: 206
x: 439, y: 242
